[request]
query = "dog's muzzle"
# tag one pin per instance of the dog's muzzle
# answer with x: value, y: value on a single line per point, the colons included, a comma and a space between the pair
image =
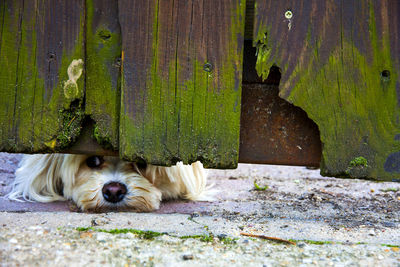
x: 114, y: 192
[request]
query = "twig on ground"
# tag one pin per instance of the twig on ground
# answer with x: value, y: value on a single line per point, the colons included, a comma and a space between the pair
x: 276, y: 239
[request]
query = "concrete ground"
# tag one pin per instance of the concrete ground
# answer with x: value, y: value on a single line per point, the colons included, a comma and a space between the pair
x: 333, y: 222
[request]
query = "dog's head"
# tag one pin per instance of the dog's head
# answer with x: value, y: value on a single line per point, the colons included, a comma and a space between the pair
x: 94, y: 183
x: 101, y: 183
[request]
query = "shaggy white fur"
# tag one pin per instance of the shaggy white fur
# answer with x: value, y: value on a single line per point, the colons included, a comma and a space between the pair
x: 82, y: 178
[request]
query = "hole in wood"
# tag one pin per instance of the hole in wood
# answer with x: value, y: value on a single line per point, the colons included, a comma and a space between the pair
x: 105, y: 35
x: 51, y: 56
x: 385, y: 74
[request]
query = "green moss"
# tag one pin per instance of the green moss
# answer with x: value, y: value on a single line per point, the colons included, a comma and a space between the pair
x: 30, y: 111
x: 150, y: 235
x: 104, y: 140
x: 189, y: 113
x: 70, y: 126
x: 314, y: 242
x: 347, y: 93
x: 390, y: 246
x: 390, y: 189
x: 259, y: 188
x: 103, y: 60
x: 358, y: 168
x: 228, y: 240
x: 359, y: 161
x: 202, y: 238
x: 319, y: 242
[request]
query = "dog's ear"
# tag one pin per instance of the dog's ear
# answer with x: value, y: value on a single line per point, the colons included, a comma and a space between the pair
x: 39, y: 178
x: 184, y: 181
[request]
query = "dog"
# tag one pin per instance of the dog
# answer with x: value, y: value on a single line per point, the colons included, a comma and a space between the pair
x: 97, y: 183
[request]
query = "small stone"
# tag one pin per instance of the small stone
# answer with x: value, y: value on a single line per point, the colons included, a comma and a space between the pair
x: 187, y: 257
x: 301, y: 245
x: 195, y: 215
x: 101, y: 237
x: 389, y: 224
x: 395, y: 249
x: 86, y: 235
x: 380, y: 257
x: 13, y: 241
x: 371, y: 232
x: 130, y: 235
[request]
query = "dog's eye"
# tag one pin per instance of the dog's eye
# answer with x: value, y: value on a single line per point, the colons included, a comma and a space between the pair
x: 141, y: 165
x: 94, y: 161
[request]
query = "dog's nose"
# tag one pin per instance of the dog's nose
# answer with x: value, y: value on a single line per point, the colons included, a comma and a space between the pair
x: 114, y: 192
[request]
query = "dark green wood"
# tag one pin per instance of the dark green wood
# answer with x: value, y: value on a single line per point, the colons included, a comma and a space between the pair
x: 103, y: 62
x: 181, y: 81
x: 340, y: 62
x: 40, y: 104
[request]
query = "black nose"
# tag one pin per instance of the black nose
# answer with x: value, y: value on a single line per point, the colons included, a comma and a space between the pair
x: 114, y: 192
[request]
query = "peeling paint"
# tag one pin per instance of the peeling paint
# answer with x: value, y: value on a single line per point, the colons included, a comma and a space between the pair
x: 74, y: 72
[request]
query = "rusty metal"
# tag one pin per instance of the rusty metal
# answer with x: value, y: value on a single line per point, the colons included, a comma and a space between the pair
x: 273, y: 131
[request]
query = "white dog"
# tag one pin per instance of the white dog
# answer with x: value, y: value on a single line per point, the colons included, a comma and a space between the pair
x: 97, y: 183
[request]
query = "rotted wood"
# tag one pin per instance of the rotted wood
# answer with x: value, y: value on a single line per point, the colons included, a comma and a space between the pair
x: 340, y: 62
x: 41, y: 59
x: 181, y: 81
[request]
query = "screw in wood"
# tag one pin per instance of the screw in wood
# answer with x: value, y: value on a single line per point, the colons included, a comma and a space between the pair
x: 207, y: 67
x: 288, y: 14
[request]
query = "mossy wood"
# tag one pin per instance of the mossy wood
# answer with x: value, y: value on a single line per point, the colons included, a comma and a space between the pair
x: 103, y: 62
x: 181, y: 65
x: 340, y: 62
x: 181, y: 81
x: 41, y: 59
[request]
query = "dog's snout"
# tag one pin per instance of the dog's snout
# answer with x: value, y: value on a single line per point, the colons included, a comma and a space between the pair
x: 114, y: 192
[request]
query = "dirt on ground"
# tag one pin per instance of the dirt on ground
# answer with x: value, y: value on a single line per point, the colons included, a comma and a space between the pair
x: 331, y: 221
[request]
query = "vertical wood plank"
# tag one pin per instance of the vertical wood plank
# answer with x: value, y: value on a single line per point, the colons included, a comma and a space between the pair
x: 181, y: 81
x: 103, y: 61
x: 41, y: 103
x: 340, y: 63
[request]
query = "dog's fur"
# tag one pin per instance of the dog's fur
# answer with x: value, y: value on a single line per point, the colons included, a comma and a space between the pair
x: 52, y: 177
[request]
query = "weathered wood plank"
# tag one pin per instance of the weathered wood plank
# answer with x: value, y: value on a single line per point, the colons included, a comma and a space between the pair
x: 103, y: 62
x: 41, y: 41
x: 181, y: 81
x: 340, y: 63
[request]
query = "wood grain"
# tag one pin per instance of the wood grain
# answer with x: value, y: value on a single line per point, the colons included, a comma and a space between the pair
x: 38, y: 42
x: 103, y: 65
x: 181, y: 81
x: 339, y: 63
